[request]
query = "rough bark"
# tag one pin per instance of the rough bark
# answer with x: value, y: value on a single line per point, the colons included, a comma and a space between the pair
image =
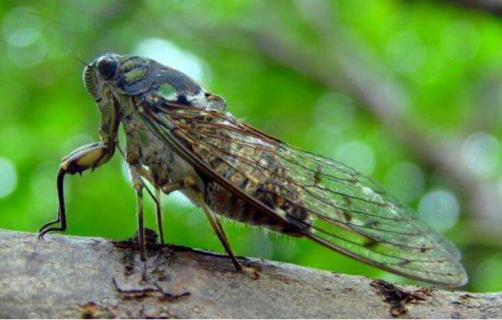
x: 76, y: 277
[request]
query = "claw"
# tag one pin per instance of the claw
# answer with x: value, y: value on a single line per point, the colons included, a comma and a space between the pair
x: 252, y: 272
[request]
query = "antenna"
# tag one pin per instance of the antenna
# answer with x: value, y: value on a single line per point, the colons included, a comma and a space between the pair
x: 81, y: 61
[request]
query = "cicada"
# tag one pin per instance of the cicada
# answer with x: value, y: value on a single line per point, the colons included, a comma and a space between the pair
x: 180, y: 137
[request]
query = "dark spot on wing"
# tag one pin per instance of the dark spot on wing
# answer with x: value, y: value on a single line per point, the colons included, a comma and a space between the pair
x: 244, y: 183
x: 370, y: 243
x: 346, y: 215
x: 371, y: 223
x: 424, y: 249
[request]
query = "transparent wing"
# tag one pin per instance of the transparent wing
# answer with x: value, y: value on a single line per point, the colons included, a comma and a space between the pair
x: 346, y: 211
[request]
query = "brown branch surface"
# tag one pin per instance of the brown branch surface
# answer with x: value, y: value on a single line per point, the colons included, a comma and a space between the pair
x: 490, y: 6
x: 74, y: 277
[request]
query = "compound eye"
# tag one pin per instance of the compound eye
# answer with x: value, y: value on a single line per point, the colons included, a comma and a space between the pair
x: 107, y: 66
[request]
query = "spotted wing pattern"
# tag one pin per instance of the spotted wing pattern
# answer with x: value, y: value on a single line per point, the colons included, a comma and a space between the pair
x: 347, y: 211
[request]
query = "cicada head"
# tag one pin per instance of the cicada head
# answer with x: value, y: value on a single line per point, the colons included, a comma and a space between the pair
x: 132, y: 75
x: 116, y: 73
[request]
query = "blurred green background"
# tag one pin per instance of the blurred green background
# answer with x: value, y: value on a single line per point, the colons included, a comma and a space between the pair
x: 408, y: 92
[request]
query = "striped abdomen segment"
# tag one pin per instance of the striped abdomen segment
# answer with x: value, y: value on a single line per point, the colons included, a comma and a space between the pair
x: 232, y: 206
x: 263, y: 189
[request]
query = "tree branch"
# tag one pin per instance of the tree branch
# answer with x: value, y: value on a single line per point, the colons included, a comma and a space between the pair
x: 490, y: 6
x: 74, y: 277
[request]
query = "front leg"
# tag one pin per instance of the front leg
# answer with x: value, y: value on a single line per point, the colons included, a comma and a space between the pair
x: 86, y: 157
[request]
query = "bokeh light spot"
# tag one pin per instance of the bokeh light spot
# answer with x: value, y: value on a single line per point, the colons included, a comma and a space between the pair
x: 406, y: 181
x: 460, y: 41
x: 173, y: 56
x: 22, y: 31
x: 407, y: 52
x: 21, y: 27
x: 334, y: 112
x: 440, y: 209
x: 8, y: 177
x: 357, y: 155
x: 482, y: 152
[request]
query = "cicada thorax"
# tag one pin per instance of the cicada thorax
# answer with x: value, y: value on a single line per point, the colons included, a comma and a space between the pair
x: 259, y: 183
x: 145, y: 148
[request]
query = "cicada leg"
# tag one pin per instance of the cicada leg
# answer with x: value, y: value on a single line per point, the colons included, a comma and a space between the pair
x: 189, y: 183
x: 61, y: 219
x: 86, y: 157
x: 218, y: 229
x: 158, y: 211
x: 137, y: 172
x: 138, y: 185
x: 145, y: 173
x: 167, y: 189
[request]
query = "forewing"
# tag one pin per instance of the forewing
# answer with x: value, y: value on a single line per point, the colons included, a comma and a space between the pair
x: 346, y: 211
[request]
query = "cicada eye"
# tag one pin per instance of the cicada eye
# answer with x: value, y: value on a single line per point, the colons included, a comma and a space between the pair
x: 107, y: 66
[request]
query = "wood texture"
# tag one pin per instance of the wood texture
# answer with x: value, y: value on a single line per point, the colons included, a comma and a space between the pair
x: 75, y: 277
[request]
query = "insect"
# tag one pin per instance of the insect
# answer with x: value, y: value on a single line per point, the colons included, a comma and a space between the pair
x: 180, y: 137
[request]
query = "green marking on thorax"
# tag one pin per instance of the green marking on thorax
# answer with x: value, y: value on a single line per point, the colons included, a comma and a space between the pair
x: 166, y: 91
x: 135, y: 74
